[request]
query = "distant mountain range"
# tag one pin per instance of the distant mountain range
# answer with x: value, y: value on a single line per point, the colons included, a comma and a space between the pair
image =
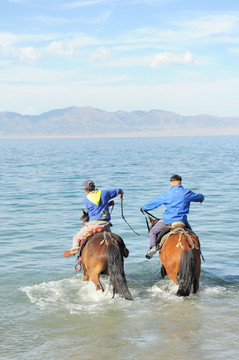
x: 91, y: 122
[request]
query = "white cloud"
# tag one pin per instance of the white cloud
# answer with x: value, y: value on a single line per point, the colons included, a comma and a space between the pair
x: 211, y: 24
x: 179, y: 31
x: 166, y: 58
x: 59, y: 48
x: 102, y: 54
x: 7, y: 42
x: 29, y: 55
x: 7, y: 39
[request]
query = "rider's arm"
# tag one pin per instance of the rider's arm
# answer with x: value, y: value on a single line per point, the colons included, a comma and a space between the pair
x: 197, y: 197
x: 154, y: 203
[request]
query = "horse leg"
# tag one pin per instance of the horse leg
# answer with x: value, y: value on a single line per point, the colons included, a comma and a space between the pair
x: 163, y: 271
x: 197, y: 271
x: 86, y: 276
x: 95, y: 279
x: 195, y: 285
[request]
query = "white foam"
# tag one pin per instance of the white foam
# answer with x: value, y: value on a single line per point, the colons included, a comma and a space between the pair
x: 164, y: 289
x: 73, y: 294
x: 47, y: 293
x: 215, y: 290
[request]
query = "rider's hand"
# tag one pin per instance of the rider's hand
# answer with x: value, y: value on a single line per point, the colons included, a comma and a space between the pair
x: 141, y: 210
x: 121, y: 195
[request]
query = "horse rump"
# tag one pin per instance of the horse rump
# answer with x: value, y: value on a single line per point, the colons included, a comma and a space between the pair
x: 186, y: 273
x: 116, y: 270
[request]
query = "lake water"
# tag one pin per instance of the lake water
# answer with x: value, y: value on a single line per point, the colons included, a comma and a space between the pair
x: 48, y: 312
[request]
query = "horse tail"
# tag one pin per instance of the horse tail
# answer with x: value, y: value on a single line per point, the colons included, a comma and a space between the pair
x: 186, y: 273
x: 116, y: 271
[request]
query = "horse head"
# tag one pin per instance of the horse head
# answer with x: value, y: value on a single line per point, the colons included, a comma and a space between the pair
x: 85, y: 217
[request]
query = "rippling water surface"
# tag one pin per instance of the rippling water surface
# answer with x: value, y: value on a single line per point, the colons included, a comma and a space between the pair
x: 48, y: 312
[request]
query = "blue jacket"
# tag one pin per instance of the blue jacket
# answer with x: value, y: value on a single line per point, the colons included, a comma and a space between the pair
x: 177, y: 201
x: 96, y: 203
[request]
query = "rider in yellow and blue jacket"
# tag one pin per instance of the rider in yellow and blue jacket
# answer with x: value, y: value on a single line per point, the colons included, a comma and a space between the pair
x: 96, y: 202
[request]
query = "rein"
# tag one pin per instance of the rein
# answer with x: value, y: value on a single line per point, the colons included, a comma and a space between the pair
x: 122, y: 215
x: 143, y: 212
x: 111, y: 204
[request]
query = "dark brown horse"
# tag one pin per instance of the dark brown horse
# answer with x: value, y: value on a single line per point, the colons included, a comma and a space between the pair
x: 180, y: 256
x: 104, y: 254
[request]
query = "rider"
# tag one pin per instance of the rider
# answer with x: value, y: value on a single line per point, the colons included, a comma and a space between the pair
x: 177, y: 201
x: 96, y: 202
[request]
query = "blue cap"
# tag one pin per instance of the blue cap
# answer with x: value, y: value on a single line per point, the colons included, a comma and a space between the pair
x: 88, y: 184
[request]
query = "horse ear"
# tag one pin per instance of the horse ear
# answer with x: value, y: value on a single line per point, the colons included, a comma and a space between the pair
x: 151, y: 220
x: 85, y: 214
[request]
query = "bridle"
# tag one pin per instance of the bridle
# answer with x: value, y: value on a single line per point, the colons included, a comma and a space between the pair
x: 146, y: 219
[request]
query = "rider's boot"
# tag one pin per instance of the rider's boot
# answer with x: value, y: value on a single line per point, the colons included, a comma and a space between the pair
x: 150, y: 253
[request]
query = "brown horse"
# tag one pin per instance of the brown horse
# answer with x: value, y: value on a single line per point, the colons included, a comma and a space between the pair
x: 104, y: 253
x: 180, y: 256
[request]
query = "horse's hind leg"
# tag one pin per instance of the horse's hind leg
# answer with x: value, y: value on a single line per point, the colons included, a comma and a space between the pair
x: 86, y: 276
x: 163, y: 271
x: 94, y: 277
x: 195, y: 285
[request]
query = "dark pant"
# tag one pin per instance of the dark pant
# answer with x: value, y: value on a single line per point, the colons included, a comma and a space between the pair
x: 157, y: 228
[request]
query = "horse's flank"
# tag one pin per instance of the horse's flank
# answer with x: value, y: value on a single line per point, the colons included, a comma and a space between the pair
x: 181, y: 261
x: 104, y: 254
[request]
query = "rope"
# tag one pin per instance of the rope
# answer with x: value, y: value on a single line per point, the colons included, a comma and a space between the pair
x: 148, y: 213
x: 182, y: 231
x: 174, y: 232
x: 122, y: 215
x: 146, y: 219
x: 112, y: 204
x: 192, y: 242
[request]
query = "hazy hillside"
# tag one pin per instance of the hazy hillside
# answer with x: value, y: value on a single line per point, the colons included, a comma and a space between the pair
x: 90, y: 122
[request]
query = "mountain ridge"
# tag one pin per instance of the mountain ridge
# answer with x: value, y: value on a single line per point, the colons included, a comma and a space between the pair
x: 92, y: 122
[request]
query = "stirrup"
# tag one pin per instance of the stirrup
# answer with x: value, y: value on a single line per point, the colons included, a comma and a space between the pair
x: 149, y: 254
x: 78, y: 267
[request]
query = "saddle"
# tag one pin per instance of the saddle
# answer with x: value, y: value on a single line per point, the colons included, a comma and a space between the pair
x: 87, y: 237
x: 160, y: 235
x: 169, y: 230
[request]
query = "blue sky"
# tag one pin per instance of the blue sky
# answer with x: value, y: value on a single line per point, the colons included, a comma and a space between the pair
x: 175, y: 55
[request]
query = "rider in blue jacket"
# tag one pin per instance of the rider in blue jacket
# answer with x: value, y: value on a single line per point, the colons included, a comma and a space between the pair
x: 96, y: 202
x: 177, y: 201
